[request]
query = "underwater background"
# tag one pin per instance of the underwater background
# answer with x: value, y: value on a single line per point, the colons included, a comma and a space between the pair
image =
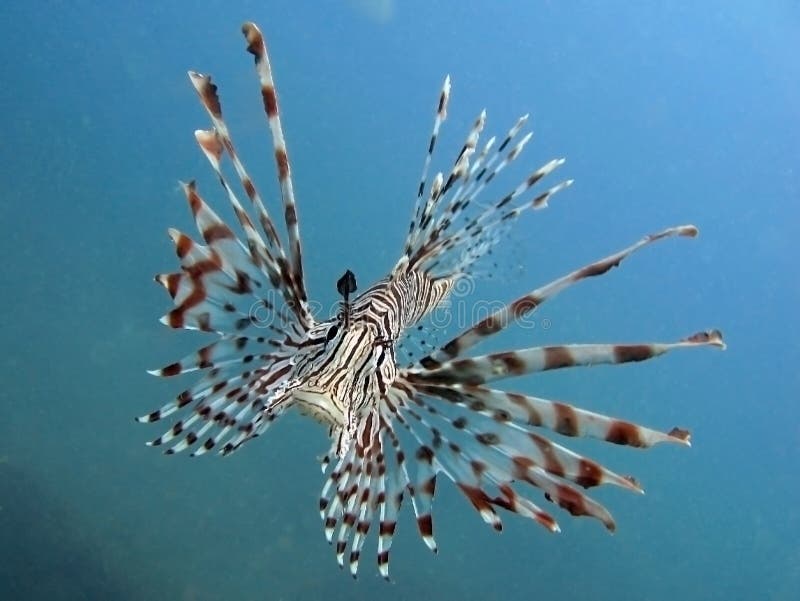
x: 668, y: 113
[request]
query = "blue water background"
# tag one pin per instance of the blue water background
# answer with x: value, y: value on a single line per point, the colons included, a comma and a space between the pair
x: 668, y: 113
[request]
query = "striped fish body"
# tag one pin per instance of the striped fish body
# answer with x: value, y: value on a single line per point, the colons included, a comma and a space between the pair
x: 352, y: 361
x: 395, y: 428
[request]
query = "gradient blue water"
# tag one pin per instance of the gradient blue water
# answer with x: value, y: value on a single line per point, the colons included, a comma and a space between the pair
x: 685, y: 113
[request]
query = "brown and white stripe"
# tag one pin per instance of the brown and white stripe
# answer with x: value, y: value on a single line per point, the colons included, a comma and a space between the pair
x: 527, y: 303
x: 496, y: 366
x: 257, y: 47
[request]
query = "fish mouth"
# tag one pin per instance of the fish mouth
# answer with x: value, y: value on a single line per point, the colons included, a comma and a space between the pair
x: 318, y: 405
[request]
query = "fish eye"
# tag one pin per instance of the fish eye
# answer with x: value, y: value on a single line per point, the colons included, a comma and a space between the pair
x: 334, y: 329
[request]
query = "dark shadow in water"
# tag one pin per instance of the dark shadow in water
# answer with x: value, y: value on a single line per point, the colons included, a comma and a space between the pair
x: 44, y: 552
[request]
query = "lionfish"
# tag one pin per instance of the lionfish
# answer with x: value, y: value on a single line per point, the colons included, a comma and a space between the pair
x: 393, y: 427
